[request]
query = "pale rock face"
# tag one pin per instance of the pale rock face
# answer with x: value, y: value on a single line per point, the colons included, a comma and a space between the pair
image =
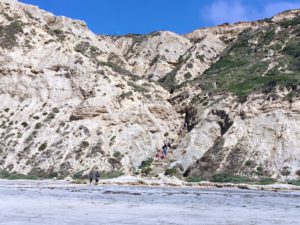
x: 71, y: 100
x: 153, y: 55
x: 286, y: 15
x: 225, y: 32
x: 259, y: 131
x: 67, y: 113
x: 200, y: 57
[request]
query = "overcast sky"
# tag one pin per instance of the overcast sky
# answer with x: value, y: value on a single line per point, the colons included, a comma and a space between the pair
x: 144, y: 16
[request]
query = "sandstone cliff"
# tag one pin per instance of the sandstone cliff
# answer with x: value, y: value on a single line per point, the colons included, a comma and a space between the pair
x: 72, y: 100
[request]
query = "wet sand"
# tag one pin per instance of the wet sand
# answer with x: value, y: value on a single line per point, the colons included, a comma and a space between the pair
x: 57, y: 202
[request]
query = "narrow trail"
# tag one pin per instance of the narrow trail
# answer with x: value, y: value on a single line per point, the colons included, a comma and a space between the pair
x: 160, y: 165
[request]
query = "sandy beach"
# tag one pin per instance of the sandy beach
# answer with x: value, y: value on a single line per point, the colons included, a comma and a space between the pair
x: 58, y: 202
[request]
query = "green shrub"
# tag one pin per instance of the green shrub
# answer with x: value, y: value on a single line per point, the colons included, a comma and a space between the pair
x: 50, y: 117
x: 116, y: 164
x: 241, y: 67
x: 227, y: 178
x: 169, y: 81
x: 194, y: 179
x: 77, y: 175
x: 84, y: 144
x: 266, y: 181
x: 248, y: 163
x: 34, y: 174
x: 188, y: 75
x: 112, y: 141
x: 8, y: 34
x: 43, y: 146
x: 146, y: 171
x: 146, y: 163
x: 260, y: 171
x: 31, y: 137
x: 82, y: 47
x: 53, y: 174
x: 111, y: 174
x: 118, y: 155
x: 16, y: 176
x: 24, y: 124
x: 290, y: 22
x: 55, y: 110
x: 38, y: 126
x: 58, y: 33
x: 171, y: 172
x: 146, y: 166
x: 126, y: 95
x: 137, y: 88
x: 120, y: 70
x: 294, y: 182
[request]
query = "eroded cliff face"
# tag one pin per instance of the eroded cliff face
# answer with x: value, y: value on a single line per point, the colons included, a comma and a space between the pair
x: 64, y: 107
x: 72, y: 100
x: 258, y: 137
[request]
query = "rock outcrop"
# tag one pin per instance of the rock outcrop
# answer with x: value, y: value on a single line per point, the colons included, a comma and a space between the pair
x: 72, y: 100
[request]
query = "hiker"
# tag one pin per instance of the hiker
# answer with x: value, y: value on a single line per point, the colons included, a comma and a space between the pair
x: 94, y: 175
x: 97, y: 175
x: 91, y: 176
x: 165, y: 149
x: 169, y: 145
x: 159, y: 155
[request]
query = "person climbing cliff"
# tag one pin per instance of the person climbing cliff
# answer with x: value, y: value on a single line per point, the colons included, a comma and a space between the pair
x: 159, y: 155
x: 166, y: 148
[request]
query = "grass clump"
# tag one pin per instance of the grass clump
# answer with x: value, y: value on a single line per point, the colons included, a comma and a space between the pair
x: 58, y: 33
x: 118, y: 155
x: 244, y: 67
x: 55, y: 110
x: 146, y: 166
x: 194, y: 179
x: 38, y: 126
x: 169, y: 81
x: 111, y: 174
x: 35, y: 174
x: 50, y: 117
x: 227, y: 178
x: 16, y: 176
x: 171, y: 172
x: 116, y: 68
x: 8, y: 34
x: 146, y: 171
x: 249, y: 163
x: 24, y: 124
x: 294, y: 182
x: 126, y: 95
x: 146, y: 163
x: 84, y: 144
x: 266, y: 181
x: 259, y: 171
x: 43, y: 146
x: 78, y: 175
x: 137, y: 88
